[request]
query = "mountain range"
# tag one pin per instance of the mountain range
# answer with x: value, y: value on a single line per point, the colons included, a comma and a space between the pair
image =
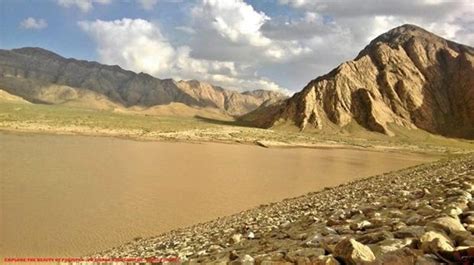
x: 407, y: 77
x: 41, y: 76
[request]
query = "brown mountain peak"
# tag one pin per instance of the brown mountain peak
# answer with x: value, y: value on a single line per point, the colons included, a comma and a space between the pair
x: 406, y: 77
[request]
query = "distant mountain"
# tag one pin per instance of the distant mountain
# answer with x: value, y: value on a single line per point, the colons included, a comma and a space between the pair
x: 406, y: 77
x: 41, y: 76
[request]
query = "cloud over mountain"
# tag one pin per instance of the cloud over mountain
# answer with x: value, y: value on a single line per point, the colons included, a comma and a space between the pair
x: 281, y: 45
x: 33, y: 23
x: 139, y: 45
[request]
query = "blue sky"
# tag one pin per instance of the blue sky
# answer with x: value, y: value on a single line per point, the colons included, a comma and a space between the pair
x: 62, y: 34
x: 237, y: 44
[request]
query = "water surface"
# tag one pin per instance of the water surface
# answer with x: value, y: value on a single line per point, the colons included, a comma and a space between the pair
x: 72, y: 195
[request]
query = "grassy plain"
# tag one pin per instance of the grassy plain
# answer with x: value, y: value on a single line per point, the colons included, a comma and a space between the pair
x: 38, y: 118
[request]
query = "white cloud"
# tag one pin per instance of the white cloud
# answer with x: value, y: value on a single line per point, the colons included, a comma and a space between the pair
x: 33, y: 23
x: 147, y: 4
x: 234, y: 20
x: 233, y: 44
x: 83, y: 5
x: 342, y: 28
x: 131, y: 43
x: 235, y: 28
x: 139, y: 45
x: 439, y: 16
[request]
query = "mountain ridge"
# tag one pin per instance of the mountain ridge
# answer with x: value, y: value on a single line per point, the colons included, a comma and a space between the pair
x: 405, y: 77
x: 29, y: 72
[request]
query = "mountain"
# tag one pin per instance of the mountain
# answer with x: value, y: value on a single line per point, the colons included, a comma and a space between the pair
x: 406, y: 77
x: 7, y: 97
x: 228, y: 100
x: 41, y: 76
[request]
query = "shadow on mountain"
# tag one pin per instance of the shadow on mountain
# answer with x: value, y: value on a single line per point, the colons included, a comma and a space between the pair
x: 448, y: 107
x: 221, y: 122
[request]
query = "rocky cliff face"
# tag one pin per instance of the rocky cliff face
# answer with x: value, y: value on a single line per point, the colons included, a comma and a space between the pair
x: 41, y: 76
x: 407, y: 76
x: 228, y: 100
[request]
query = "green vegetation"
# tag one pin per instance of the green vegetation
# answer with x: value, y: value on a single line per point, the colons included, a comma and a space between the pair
x: 57, y: 115
x: 72, y: 120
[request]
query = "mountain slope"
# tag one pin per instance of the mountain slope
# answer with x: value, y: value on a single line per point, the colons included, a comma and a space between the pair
x: 230, y: 101
x: 407, y: 77
x: 7, y: 97
x: 32, y: 73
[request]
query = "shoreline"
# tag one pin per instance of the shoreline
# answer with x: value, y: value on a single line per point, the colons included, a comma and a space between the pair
x: 359, y: 209
x: 261, y: 143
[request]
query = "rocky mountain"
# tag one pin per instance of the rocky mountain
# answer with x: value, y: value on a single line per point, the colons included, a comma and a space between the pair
x: 228, y: 100
x: 406, y: 77
x: 41, y: 76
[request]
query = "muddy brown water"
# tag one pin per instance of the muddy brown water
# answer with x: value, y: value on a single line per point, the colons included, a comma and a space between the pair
x: 66, y: 196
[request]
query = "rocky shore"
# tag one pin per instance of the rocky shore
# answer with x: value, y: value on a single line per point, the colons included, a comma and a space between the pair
x: 420, y: 215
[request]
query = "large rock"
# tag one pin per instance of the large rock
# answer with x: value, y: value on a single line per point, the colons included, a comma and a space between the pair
x: 434, y: 242
x: 399, y: 257
x: 447, y: 223
x: 353, y: 252
x: 390, y: 245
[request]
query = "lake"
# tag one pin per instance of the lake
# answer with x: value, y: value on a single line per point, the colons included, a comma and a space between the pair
x: 66, y: 196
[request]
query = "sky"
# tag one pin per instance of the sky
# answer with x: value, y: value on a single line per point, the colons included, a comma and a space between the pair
x: 237, y: 44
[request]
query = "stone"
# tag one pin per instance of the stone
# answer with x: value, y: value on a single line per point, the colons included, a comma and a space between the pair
x: 453, y: 211
x: 334, y: 221
x: 353, y: 252
x: 236, y: 238
x: 275, y: 262
x: 304, y: 252
x: 469, y: 219
x: 427, y: 260
x: 426, y: 210
x: 467, y: 186
x: 467, y: 242
x: 390, y: 245
x: 399, y: 257
x: 250, y: 235
x: 448, y: 224
x: 374, y: 237
x: 360, y: 225
x: 433, y: 242
x: 405, y: 193
x: 303, y: 261
x: 329, y: 242
x: 414, y: 219
x: 244, y: 260
x: 214, y: 248
x: 233, y: 255
x: 325, y: 260
x: 470, y: 204
x: 461, y: 236
x: 414, y: 231
x: 470, y: 228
